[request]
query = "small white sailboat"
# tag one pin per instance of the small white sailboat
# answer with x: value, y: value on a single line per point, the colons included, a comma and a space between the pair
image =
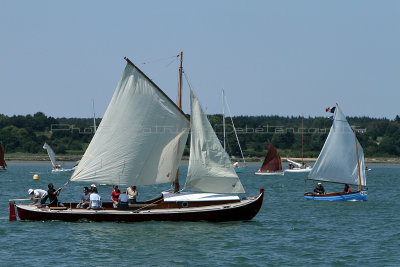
x: 300, y: 167
x: 239, y: 167
x: 56, y: 167
x: 341, y: 161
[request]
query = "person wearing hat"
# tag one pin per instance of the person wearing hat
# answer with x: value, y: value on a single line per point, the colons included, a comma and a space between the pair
x: 319, y: 189
x: 91, y: 188
x: 38, y: 194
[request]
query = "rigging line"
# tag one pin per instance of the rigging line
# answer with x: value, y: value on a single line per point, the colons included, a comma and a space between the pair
x: 158, y: 60
x: 172, y: 61
x: 149, y: 204
x: 234, y: 129
x: 187, y: 80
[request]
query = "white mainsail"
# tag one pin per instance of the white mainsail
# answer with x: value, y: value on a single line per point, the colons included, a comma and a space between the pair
x: 337, y: 161
x: 210, y: 170
x: 141, y: 138
x: 51, y: 153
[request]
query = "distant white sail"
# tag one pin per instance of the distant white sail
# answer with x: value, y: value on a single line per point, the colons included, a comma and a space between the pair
x: 210, y: 169
x: 140, y: 139
x: 337, y: 161
x: 51, y: 153
x: 295, y: 163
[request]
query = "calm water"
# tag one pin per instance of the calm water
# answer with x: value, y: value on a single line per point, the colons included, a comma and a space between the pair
x: 288, y: 231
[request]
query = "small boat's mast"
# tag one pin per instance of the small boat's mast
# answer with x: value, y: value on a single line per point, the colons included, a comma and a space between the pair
x: 180, y: 82
x: 176, y: 183
x: 302, y: 132
x: 94, y: 117
x: 358, y: 162
x: 223, y: 116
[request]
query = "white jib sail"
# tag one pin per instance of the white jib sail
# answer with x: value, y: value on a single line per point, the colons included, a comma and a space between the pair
x: 51, y: 153
x: 210, y: 170
x: 141, y: 138
x: 337, y: 161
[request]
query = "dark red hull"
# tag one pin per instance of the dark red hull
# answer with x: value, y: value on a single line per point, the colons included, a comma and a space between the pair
x: 239, y: 211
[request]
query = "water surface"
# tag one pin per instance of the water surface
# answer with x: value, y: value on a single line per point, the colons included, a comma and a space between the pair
x: 288, y: 231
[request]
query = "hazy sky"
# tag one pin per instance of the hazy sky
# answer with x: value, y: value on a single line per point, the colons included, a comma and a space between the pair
x: 271, y: 57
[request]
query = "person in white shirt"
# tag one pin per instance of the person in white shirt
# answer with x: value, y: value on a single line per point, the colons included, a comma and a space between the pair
x: 95, y: 200
x: 132, y: 193
x: 38, y: 194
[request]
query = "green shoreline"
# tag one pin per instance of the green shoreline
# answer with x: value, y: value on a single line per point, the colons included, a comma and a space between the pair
x: 21, y: 157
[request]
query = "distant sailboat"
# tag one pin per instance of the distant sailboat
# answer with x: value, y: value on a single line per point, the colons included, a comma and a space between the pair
x: 341, y: 161
x: 300, y: 167
x: 272, y: 164
x: 237, y: 166
x: 3, y: 164
x: 140, y: 141
x: 52, y: 156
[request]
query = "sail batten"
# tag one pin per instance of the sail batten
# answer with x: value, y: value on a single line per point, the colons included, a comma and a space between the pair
x: 337, y: 161
x: 210, y: 169
x: 140, y: 139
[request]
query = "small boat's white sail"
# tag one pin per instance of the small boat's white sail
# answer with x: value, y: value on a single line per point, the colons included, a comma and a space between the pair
x: 210, y: 169
x: 141, y: 138
x: 295, y: 163
x: 337, y: 161
x: 234, y: 128
x: 51, y: 153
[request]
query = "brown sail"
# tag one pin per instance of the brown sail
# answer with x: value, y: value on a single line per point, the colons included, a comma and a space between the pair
x: 3, y: 163
x: 272, y: 161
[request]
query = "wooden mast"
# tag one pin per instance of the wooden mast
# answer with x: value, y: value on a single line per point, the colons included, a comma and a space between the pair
x: 358, y: 162
x: 176, y: 182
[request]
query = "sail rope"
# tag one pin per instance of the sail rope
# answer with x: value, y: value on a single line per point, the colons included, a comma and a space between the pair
x: 187, y: 80
x: 64, y: 185
x: 234, y: 129
x: 161, y: 59
x: 171, y: 189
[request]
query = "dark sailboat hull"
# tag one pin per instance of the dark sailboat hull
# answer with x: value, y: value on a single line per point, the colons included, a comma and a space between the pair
x: 242, y: 210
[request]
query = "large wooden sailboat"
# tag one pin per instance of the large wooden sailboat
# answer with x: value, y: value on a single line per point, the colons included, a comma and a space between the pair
x: 3, y: 164
x: 140, y: 141
x: 272, y: 164
x: 341, y: 161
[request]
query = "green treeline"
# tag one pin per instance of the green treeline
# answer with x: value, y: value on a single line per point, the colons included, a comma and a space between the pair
x: 379, y: 137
